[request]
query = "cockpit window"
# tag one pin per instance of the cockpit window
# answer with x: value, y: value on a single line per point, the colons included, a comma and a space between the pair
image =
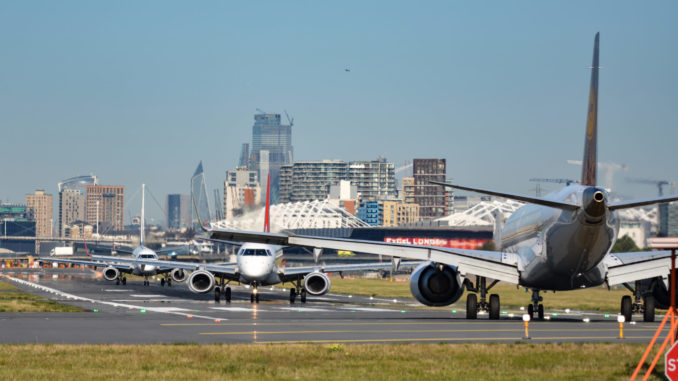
x: 256, y: 252
x: 147, y: 256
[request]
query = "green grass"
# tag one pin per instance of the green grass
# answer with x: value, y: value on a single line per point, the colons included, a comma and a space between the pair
x: 596, y: 299
x: 564, y: 361
x: 11, y: 300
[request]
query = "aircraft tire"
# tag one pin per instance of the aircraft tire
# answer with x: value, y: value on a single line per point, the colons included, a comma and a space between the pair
x: 124, y: 280
x: 217, y: 295
x: 303, y: 296
x: 256, y: 297
x: 251, y: 298
x: 162, y: 282
x: 540, y: 312
x: 169, y: 282
x: 626, y: 307
x: 472, y: 306
x: 293, y: 295
x: 648, y: 311
x: 494, y: 307
x: 117, y: 282
x: 227, y: 295
x: 530, y: 310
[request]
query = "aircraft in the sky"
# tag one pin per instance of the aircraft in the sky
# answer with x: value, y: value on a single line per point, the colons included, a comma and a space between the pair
x: 559, y: 242
x: 114, y: 267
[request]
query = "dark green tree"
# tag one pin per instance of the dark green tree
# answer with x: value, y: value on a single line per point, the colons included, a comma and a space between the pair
x: 624, y: 245
x: 488, y: 246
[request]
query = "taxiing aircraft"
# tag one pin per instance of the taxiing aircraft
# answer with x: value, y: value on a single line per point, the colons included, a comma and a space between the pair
x: 559, y: 242
x: 115, y: 267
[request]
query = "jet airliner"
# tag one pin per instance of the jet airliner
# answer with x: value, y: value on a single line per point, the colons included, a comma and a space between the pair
x: 556, y: 243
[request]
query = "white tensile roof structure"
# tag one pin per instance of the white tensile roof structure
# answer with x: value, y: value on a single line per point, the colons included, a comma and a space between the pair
x: 482, y: 214
x: 295, y: 215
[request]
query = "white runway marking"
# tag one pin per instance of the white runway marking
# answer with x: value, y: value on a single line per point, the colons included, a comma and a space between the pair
x: 169, y: 309
x: 304, y: 309
x: 118, y: 290
x: 237, y: 309
x: 146, y: 296
x: 368, y: 309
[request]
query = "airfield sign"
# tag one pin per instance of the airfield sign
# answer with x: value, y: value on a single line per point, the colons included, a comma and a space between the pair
x: 671, y: 363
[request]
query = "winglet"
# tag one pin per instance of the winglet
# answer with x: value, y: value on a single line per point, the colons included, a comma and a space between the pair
x: 267, y: 217
x: 588, y: 171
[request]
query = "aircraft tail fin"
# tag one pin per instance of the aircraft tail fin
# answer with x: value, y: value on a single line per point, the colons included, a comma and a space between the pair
x: 199, y: 198
x: 590, y: 162
x: 267, y: 216
x: 143, y: 220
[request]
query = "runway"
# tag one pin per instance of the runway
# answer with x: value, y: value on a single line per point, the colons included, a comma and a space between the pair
x: 136, y: 314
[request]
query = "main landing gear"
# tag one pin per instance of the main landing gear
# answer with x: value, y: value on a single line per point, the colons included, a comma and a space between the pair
x: 643, y: 301
x: 146, y: 281
x: 226, y: 292
x: 535, y: 306
x: 167, y: 280
x: 121, y: 279
x: 297, y: 290
x: 472, y: 303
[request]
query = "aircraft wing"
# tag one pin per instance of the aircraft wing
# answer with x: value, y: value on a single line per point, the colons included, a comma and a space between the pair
x: 119, y: 266
x: 292, y: 272
x: 633, y: 266
x: 491, y: 264
x: 222, y: 268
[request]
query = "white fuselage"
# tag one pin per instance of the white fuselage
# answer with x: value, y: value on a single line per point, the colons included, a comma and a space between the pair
x: 144, y: 253
x: 256, y: 264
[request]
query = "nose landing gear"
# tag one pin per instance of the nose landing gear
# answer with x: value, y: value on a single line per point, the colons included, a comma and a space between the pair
x: 535, y: 306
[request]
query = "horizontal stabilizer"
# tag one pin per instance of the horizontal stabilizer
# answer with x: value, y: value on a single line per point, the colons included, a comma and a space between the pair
x: 532, y: 200
x: 636, y: 203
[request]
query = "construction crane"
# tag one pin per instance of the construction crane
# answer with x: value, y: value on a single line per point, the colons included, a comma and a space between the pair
x: 659, y: 183
x: 557, y: 181
x: 289, y: 120
x: 608, y: 168
x: 662, y: 209
x: 260, y: 111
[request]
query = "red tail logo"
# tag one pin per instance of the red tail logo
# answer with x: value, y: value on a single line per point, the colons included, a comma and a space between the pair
x: 267, y: 217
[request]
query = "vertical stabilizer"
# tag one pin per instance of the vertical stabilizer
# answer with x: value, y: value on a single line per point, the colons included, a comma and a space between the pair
x: 267, y: 216
x: 588, y: 172
x: 143, y: 220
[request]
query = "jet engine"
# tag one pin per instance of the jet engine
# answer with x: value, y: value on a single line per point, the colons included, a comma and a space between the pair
x: 317, y: 283
x: 436, y: 285
x: 111, y: 273
x: 201, y: 281
x: 178, y: 275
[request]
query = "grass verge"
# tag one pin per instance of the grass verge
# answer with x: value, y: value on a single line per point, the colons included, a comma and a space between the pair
x: 563, y: 361
x: 11, y: 300
x: 594, y: 299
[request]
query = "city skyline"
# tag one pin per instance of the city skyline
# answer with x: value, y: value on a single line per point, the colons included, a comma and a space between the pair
x: 140, y: 93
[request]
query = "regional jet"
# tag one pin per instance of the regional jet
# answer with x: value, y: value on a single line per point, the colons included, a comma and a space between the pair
x: 116, y: 267
x: 556, y: 243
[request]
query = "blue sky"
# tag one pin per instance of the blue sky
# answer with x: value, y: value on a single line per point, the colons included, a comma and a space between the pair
x: 142, y: 91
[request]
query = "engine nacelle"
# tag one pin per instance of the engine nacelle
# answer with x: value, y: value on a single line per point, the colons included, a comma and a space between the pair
x: 435, y: 287
x: 317, y: 283
x: 201, y: 281
x: 111, y: 273
x: 178, y: 275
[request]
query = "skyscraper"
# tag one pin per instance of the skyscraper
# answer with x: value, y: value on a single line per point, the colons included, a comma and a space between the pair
x: 178, y: 211
x: 432, y: 199
x: 71, y: 206
x: 105, y: 204
x: 41, y: 204
x: 271, y: 148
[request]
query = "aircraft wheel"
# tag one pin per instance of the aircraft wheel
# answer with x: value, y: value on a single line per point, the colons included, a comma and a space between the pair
x: 169, y: 282
x: 626, y: 307
x: 217, y: 294
x: 227, y: 295
x: 256, y: 297
x: 124, y: 280
x: 251, y: 298
x: 540, y: 312
x: 530, y: 310
x: 648, y: 311
x: 293, y: 295
x: 303, y: 296
x: 117, y: 282
x: 494, y: 307
x: 472, y: 306
x: 162, y: 282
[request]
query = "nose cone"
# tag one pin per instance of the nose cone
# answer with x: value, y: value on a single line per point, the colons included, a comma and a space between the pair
x: 148, y: 268
x: 593, y: 202
x: 255, y: 268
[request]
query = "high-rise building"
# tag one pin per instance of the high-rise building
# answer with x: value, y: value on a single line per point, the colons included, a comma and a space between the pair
x: 71, y: 206
x: 672, y: 219
x: 244, y: 155
x: 407, y: 194
x: 311, y: 180
x: 105, y: 204
x: 372, y: 212
x: 41, y: 204
x: 396, y: 213
x: 242, y: 192
x: 271, y: 149
x: 432, y: 199
x: 178, y: 208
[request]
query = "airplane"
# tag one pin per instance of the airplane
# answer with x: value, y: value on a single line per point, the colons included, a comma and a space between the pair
x: 116, y: 267
x: 558, y: 242
x: 258, y: 264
